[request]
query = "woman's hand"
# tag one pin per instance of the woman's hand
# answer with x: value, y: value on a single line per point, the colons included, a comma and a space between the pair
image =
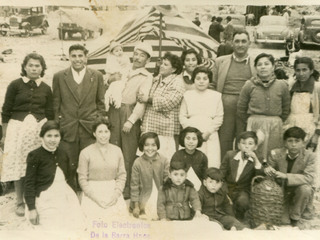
x: 114, y: 200
x: 205, y: 136
x: 34, y: 217
x: 198, y: 214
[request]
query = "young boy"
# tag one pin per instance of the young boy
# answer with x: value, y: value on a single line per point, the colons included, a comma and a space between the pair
x: 215, y: 202
x: 238, y: 167
x: 296, y: 166
x: 177, y: 194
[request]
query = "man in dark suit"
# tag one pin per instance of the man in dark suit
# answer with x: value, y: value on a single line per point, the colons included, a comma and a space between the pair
x: 238, y: 169
x: 78, y: 99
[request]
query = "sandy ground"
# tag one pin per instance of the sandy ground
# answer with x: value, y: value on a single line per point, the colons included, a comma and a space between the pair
x: 52, y: 49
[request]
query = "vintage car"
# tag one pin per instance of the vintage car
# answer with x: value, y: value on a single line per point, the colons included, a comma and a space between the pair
x: 310, y: 30
x: 25, y: 22
x: 271, y: 29
x: 80, y: 22
x: 238, y: 21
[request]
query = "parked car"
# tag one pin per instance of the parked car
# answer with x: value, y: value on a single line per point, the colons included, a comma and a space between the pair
x: 271, y: 29
x: 25, y: 22
x: 310, y: 30
x: 82, y: 22
x: 238, y: 21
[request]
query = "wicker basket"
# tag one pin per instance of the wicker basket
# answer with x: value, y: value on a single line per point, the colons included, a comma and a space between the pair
x: 266, y: 202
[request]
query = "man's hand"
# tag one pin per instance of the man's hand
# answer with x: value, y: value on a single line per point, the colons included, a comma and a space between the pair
x: 270, y: 171
x: 127, y: 127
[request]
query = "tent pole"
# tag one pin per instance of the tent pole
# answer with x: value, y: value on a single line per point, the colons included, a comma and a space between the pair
x: 160, y: 36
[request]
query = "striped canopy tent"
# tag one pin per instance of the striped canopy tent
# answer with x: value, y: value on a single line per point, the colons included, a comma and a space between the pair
x: 165, y: 30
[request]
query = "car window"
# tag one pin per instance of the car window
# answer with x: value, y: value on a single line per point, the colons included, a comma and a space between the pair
x: 273, y: 21
x: 315, y: 22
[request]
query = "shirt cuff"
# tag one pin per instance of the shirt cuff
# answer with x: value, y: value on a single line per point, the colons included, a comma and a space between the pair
x: 258, y: 165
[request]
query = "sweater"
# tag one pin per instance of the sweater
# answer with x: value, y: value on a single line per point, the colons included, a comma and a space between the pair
x: 144, y: 172
x: 41, y: 170
x: 95, y: 165
x: 198, y: 161
x: 22, y: 99
x: 270, y: 99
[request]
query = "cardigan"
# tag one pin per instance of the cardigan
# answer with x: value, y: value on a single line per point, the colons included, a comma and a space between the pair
x: 41, y: 170
x: 198, y: 161
x: 144, y: 171
x: 95, y: 165
x: 22, y: 99
x: 270, y: 99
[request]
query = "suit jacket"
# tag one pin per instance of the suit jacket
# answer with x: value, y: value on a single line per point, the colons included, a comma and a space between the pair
x: 73, y: 110
x: 229, y: 168
x: 220, y: 71
x: 303, y: 170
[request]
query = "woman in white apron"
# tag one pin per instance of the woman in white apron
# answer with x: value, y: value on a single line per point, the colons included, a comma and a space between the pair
x: 102, y: 176
x: 27, y: 106
x: 52, y: 203
x: 305, y: 102
x: 202, y: 108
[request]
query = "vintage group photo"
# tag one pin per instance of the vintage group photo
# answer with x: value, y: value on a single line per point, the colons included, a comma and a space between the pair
x: 158, y: 121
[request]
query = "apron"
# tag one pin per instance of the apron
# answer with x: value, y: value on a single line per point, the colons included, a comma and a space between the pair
x: 58, y: 207
x: 192, y: 176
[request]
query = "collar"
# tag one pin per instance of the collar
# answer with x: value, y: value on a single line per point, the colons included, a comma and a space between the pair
x: 156, y: 157
x: 256, y: 80
x: 292, y: 158
x: 74, y: 72
x: 307, y: 87
x: 37, y: 81
x: 50, y: 151
x: 142, y: 71
x: 186, y: 74
x: 238, y: 157
x: 247, y: 58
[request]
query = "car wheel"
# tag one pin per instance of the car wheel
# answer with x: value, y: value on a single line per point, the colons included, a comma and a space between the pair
x: 70, y: 34
x: 316, y: 36
x: 3, y: 32
x: 84, y: 35
x: 44, y: 30
x: 26, y: 31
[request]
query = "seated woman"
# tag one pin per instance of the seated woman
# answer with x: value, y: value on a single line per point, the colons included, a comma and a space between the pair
x: 51, y: 202
x: 102, y: 176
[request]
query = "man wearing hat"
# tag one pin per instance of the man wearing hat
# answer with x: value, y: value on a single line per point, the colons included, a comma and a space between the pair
x: 126, y: 120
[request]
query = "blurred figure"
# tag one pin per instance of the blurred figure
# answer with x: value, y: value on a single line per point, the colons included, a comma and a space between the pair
x: 216, y: 28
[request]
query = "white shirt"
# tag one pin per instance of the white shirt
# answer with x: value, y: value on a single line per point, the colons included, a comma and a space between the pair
x: 78, y: 76
x: 242, y: 163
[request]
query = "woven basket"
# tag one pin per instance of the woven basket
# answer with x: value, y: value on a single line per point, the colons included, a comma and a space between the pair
x: 266, y: 202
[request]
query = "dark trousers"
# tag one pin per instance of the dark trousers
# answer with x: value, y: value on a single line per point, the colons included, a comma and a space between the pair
x: 298, y: 200
x: 232, y: 126
x: 228, y: 222
x: 83, y: 139
x: 241, y: 203
x: 128, y: 142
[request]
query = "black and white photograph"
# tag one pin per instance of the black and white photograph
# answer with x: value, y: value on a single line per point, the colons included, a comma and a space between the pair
x: 159, y: 120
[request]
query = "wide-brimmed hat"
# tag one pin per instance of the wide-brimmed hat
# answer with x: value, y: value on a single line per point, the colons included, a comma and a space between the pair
x: 145, y: 47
